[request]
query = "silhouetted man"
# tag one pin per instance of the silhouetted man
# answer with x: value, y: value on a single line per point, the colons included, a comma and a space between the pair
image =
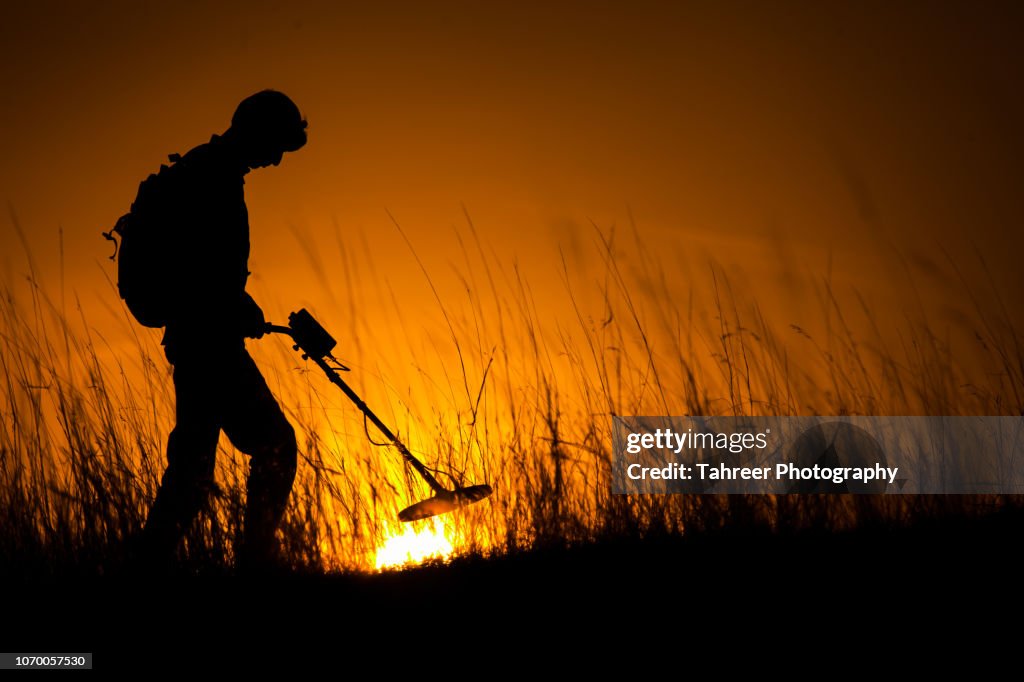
x: 217, y: 385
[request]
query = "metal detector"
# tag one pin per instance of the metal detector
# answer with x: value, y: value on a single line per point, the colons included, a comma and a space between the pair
x: 316, y: 345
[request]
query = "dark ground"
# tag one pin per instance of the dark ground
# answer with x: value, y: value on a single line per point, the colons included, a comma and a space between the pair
x: 619, y: 598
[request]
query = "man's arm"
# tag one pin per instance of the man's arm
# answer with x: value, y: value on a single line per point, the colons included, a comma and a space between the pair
x: 252, y: 322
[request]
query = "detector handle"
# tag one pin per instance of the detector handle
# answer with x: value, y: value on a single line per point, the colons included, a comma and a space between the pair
x: 335, y: 378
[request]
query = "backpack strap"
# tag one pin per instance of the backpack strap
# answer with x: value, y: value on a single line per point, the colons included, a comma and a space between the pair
x: 117, y: 231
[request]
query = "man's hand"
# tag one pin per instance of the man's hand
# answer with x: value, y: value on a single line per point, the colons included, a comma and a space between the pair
x: 253, y: 323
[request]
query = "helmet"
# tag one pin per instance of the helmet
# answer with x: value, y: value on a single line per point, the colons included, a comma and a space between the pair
x: 272, y: 117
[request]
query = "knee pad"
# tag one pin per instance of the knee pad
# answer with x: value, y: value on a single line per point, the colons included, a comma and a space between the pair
x: 287, y: 451
x: 279, y: 459
x: 192, y: 453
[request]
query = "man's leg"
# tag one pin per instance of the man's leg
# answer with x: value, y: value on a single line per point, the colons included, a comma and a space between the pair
x: 191, y: 455
x: 256, y: 425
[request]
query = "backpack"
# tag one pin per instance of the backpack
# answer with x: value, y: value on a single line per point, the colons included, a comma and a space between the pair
x: 147, y: 255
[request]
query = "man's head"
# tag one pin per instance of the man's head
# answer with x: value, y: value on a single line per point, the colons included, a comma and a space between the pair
x: 265, y: 126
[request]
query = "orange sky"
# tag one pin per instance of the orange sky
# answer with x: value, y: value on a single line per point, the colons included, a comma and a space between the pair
x: 731, y: 129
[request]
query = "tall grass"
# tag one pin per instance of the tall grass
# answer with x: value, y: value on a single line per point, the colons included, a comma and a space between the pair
x: 504, y: 393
